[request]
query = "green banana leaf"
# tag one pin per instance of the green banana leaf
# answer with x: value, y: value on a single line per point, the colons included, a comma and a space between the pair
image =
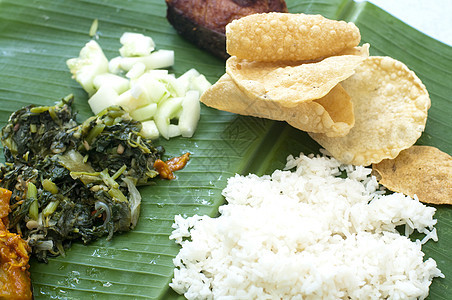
x: 38, y: 36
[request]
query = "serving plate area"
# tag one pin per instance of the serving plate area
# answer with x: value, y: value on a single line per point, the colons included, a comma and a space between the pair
x: 37, y: 37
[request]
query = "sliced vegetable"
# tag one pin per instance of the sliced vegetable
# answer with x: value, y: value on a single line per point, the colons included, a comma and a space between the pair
x: 90, y: 63
x: 116, y: 82
x: 136, y: 71
x: 136, y: 44
x: 103, y: 98
x: 146, y: 91
x: 155, y: 89
x: 145, y: 112
x: 155, y: 60
x: 190, y: 114
x: 166, y: 111
x: 149, y: 129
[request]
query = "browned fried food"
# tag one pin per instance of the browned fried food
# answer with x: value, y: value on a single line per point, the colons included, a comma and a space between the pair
x: 296, y: 37
x: 331, y: 114
x: 291, y: 83
x: 390, y: 104
x: 203, y: 22
x: 15, y: 280
x: 423, y: 171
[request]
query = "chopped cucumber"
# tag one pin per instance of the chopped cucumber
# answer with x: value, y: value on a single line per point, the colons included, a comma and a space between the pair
x: 166, y: 111
x: 185, y: 79
x: 128, y: 102
x: 104, y: 97
x: 118, y: 83
x: 155, y: 60
x: 193, y: 80
x: 159, y: 59
x: 135, y: 44
x: 157, y: 72
x: 173, y: 131
x: 172, y: 85
x: 114, y: 65
x: 136, y: 71
x: 90, y: 63
x: 126, y: 63
x: 189, y: 117
x: 200, y: 84
x: 155, y: 90
x: 168, y: 80
x: 149, y: 129
x: 141, y: 95
x: 166, y: 105
x: 145, y: 112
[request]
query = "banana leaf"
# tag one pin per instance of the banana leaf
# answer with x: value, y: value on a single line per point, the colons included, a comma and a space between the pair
x: 38, y: 36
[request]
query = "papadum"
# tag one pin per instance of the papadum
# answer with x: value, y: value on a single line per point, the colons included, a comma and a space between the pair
x: 423, y: 171
x: 291, y: 83
x: 285, y: 36
x: 332, y: 114
x: 390, y: 105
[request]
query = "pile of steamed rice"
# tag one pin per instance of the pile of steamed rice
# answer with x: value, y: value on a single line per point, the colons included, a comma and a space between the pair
x: 306, y: 234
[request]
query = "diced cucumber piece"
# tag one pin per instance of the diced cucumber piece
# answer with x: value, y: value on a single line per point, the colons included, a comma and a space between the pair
x: 169, y: 80
x: 200, y: 84
x: 90, y: 63
x: 136, y: 71
x: 185, y: 79
x: 157, y: 73
x: 145, y: 112
x: 136, y: 44
x: 172, y: 85
x: 128, y: 102
x: 193, y: 80
x: 155, y: 60
x: 191, y: 111
x: 126, y: 63
x: 118, y: 83
x: 149, y: 130
x: 173, y: 130
x: 141, y: 95
x: 114, y: 65
x: 166, y: 111
x: 155, y: 90
x: 159, y: 59
x: 104, y: 97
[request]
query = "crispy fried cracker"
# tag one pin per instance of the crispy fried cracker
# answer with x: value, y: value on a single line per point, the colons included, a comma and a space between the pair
x: 284, y: 36
x: 291, y: 83
x: 332, y: 114
x: 419, y: 170
x: 390, y: 104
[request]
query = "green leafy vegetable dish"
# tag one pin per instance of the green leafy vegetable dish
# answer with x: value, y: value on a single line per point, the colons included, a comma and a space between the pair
x: 72, y: 181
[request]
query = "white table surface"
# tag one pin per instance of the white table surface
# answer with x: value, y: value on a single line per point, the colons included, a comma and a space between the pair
x: 432, y: 17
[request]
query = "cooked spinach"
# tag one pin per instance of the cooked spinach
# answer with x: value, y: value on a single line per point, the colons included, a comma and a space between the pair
x: 73, y: 181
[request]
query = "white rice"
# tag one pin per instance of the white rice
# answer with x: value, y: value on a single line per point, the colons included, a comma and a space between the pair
x: 306, y: 234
